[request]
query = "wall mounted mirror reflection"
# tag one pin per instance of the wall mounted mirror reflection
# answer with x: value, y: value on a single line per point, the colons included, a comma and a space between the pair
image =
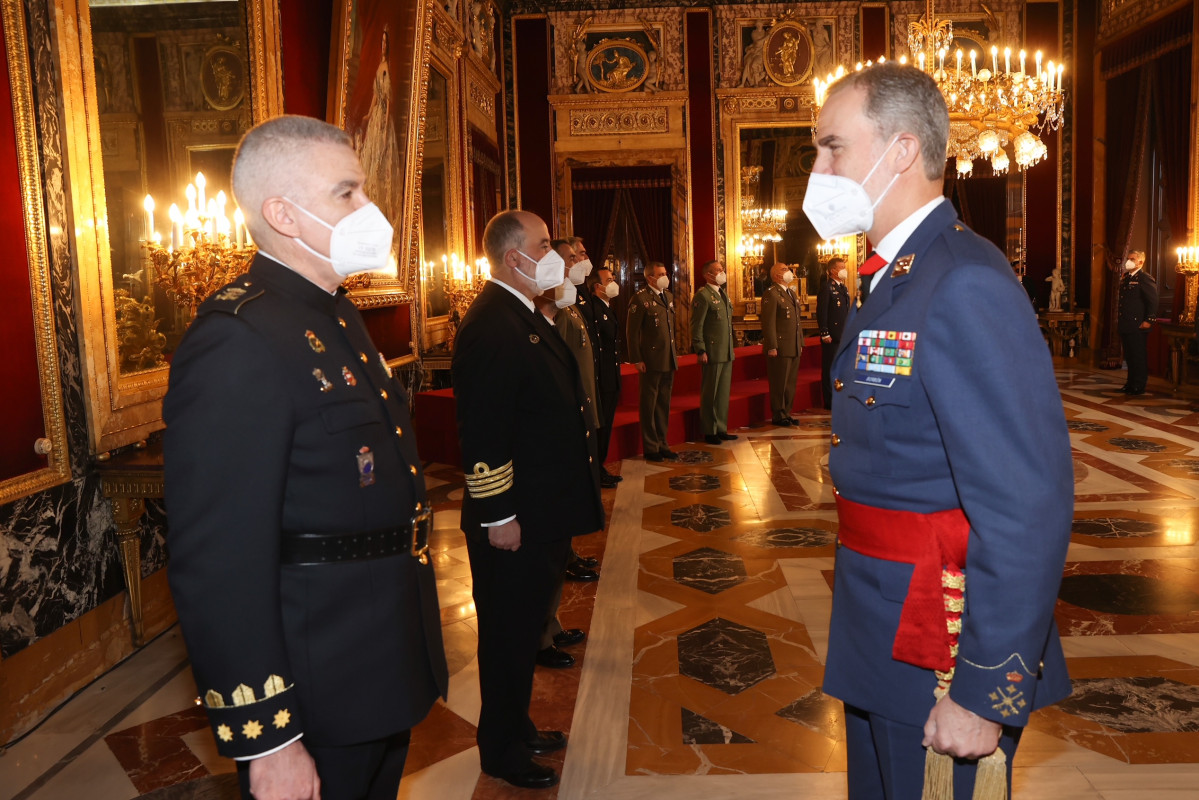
x: 435, y: 194
x: 166, y: 89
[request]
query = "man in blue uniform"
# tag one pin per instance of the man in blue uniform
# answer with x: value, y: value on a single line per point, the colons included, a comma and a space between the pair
x: 297, y: 505
x: 532, y: 482
x: 950, y: 457
x: 832, y: 309
x: 1138, y: 308
x: 604, y: 329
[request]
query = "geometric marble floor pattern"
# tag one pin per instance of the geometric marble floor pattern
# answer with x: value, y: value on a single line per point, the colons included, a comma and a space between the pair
x: 708, y: 631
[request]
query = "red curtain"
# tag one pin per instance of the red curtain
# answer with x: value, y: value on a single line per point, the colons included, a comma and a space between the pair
x: 1171, y: 96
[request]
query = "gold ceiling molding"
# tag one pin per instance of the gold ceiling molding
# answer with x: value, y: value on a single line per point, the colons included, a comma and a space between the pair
x: 586, y: 122
x: 617, y: 121
x: 482, y: 97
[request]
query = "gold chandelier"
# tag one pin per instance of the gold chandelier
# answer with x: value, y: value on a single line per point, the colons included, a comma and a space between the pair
x: 991, y: 110
x: 758, y: 224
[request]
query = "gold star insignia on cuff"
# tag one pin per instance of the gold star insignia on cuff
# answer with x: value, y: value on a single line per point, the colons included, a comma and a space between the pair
x: 282, y: 718
x: 224, y: 734
x: 252, y: 729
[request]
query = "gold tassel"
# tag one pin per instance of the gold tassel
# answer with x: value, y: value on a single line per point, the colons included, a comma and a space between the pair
x: 990, y: 779
x: 938, y: 776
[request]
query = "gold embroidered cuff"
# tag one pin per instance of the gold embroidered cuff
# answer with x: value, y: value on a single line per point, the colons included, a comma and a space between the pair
x: 488, y: 482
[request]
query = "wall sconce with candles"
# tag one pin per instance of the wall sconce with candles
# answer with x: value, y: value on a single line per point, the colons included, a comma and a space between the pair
x: 1188, y: 268
x: 206, y: 249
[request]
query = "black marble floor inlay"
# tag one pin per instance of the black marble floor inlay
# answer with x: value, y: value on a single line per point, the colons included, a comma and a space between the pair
x: 695, y: 457
x: 695, y: 482
x: 1115, y: 527
x: 1186, y: 464
x: 814, y: 424
x: 1082, y: 426
x: 701, y: 518
x: 1138, y: 445
x: 725, y: 655
x: 818, y: 712
x: 1128, y: 594
x: 1136, y: 705
x: 789, y: 537
x: 698, y: 729
x: 709, y: 570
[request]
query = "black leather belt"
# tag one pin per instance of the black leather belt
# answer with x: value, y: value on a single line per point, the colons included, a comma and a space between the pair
x: 307, y: 549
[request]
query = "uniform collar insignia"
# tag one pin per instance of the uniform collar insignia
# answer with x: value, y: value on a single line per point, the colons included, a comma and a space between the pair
x: 902, y: 265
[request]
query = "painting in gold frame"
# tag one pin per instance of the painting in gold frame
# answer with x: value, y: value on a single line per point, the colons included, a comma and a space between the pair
x: 378, y: 79
x: 33, y: 439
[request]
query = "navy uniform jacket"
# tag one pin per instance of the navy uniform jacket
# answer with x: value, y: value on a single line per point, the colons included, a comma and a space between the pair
x: 605, y: 336
x: 278, y: 405
x: 973, y: 420
x: 832, y: 308
x: 527, y: 449
x: 1138, y: 301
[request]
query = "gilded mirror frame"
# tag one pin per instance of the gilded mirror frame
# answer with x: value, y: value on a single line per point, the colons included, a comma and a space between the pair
x: 125, y: 408
x: 742, y: 109
x: 54, y: 443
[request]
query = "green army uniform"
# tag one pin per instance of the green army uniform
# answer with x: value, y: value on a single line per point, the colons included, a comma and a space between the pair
x: 650, y: 336
x: 781, y: 331
x: 712, y: 333
x: 573, y: 329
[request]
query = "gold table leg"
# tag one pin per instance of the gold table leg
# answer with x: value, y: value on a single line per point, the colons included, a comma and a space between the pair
x: 127, y: 512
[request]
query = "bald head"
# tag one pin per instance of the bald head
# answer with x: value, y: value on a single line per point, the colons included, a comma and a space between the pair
x: 514, y: 241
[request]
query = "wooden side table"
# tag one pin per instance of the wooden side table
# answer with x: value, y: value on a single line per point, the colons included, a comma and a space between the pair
x: 127, y: 479
x: 1062, y: 326
x: 1177, y: 338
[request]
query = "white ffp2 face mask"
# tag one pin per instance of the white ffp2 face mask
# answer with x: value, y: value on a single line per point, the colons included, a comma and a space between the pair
x: 663, y: 283
x: 839, y: 206
x: 549, y: 274
x: 612, y: 289
x: 565, y: 295
x: 360, y: 242
x: 578, y: 273
x: 720, y: 279
x: 1130, y: 265
x: 788, y: 276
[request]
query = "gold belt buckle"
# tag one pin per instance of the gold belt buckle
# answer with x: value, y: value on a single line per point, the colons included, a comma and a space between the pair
x: 422, y: 523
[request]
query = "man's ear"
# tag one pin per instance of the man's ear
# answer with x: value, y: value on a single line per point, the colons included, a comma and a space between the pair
x: 907, y: 152
x: 279, y: 214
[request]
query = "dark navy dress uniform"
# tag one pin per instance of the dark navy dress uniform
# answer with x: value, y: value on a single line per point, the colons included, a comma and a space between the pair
x: 528, y: 452
x: 1138, y: 303
x: 285, y: 428
x: 945, y: 398
x: 832, y: 309
x: 604, y: 329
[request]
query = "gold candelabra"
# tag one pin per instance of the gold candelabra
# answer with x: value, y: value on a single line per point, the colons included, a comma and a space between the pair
x: 461, y: 283
x: 989, y: 108
x: 1188, y: 268
x: 833, y: 248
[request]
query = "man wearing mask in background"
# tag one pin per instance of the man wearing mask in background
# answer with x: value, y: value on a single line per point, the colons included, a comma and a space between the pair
x: 605, y: 336
x: 951, y: 459
x: 650, y: 336
x: 782, y: 342
x: 712, y: 340
x: 299, y: 518
x: 1138, y: 308
x: 531, y: 482
x: 832, y: 307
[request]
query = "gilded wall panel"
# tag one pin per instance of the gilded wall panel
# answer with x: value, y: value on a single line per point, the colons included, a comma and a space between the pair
x: 657, y: 32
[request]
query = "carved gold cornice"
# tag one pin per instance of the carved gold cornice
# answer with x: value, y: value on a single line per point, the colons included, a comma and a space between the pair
x: 594, y: 122
x: 482, y: 98
x: 378, y: 299
x: 793, y: 105
x: 57, y: 469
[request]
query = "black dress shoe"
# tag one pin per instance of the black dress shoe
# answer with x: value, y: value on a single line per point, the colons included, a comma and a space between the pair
x: 554, y: 658
x: 653, y: 456
x: 587, y: 561
x: 794, y: 421
x: 669, y: 455
x: 727, y: 437
x: 530, y: 776
x: 781, y: 421
x: 568, y: 637
x: 608, y: 482
x: 712, y: 438
x: 546, y: 742
x: 577, y: 572
x: 1135, y: 392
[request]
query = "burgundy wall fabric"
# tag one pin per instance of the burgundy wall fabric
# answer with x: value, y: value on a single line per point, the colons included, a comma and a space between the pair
x: 875, y: 36
x: 700, y: 138
x: 306, y: 27
x: 1041, y: 195
x: 1082, y: 87
x: 534, y: 131
x: 21, y: 420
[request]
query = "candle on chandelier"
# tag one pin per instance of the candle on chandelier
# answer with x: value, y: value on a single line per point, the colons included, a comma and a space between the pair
x: 239, y: 222
x: 1038, y: 65
x: 1058, y: 83
x: 200, y: 184
x: 190, y: 191
x: 1007, y: 59
x: 959, y: 75
x: 1021, y: 62
x: 920, y: 58
x: 148, y: 204
x: 994, y: 60
x: 973, y: 66
x: 176, y: 227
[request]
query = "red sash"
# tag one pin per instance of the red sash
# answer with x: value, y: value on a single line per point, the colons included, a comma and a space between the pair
x: 936, y: 545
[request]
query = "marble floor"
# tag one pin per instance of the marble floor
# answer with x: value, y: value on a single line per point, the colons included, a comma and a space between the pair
x: 708, y: 631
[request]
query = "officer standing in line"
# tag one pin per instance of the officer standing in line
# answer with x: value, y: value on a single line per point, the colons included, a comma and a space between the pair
x: 782, y: 342
x: 832, y: 307
x: 650, y: 335
x: 1138, y: 308
x: 299, y: 520
x: 605, y: 335
x: 712, y: 339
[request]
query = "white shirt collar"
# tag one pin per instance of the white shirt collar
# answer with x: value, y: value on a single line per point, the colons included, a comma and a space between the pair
x: 888, y: 248
x: 528, y: 303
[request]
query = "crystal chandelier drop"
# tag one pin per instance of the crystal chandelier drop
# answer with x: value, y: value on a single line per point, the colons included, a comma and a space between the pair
x: 758, y: 224
x: 997, y: 107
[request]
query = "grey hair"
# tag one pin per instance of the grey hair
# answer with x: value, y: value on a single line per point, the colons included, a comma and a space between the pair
x: 504, y: 232
x: 903, y: 99
x: 270, y: 161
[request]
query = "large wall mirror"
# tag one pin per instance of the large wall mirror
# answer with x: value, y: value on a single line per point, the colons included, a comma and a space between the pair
x: 165, y: 90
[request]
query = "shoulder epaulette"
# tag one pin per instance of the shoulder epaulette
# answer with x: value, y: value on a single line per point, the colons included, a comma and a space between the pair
x: 230, y: 298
